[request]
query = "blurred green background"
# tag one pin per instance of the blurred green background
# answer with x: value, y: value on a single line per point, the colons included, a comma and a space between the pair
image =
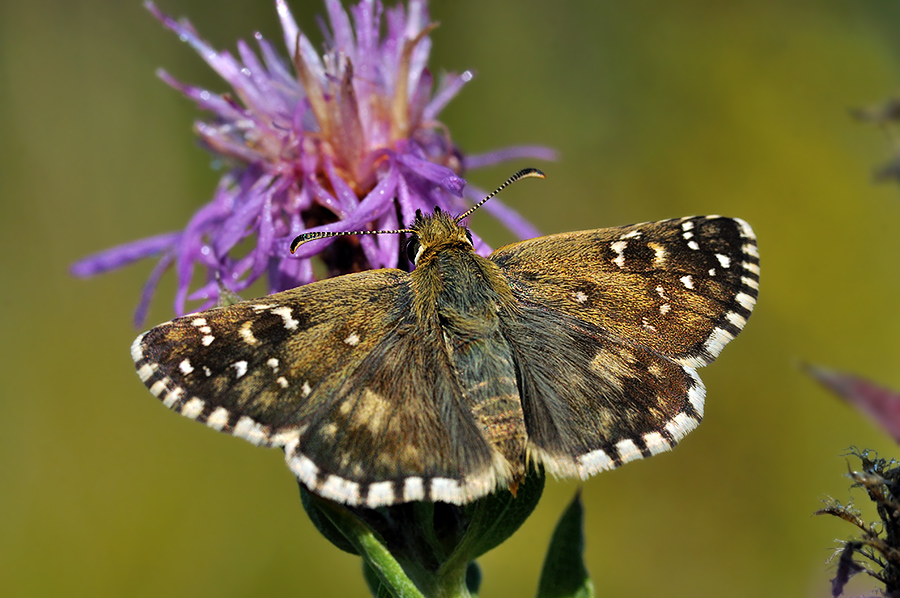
x: 657, y: 109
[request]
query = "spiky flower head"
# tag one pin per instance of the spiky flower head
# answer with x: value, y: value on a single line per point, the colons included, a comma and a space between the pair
x: 343, y: 141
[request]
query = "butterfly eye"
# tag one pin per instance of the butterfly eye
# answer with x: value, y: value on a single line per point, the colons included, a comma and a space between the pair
x: 469, y: 237
x: 412, y: 249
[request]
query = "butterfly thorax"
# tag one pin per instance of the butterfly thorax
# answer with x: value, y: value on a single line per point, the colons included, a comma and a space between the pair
x: 452, y: 284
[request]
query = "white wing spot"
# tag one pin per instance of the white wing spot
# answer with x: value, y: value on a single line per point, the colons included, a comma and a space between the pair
x: 380, y: 493
x: 688, y: 235
x: 628, y: 450
x: 593, y: 462
x: 240, y: 367
x: 146, y: 371
x: 655, y: 442
x: 750, y: 282
x: 186, y: 367
x: 158, y: 387
x: 207, y: 371
x: 251, y: 431
x: 137, y: 352
x: 341, y: 490
x: 262, y: 307
x: 631, y: 235
x: 697, y: 394
x: 288, y: 438
x: 218, y: 418
x: 746, y: 301
x: 659, y: 255
x: 712, y: 271
x: 680, y: 425
x: 693, y: 245
x: 724, y: 260
x: 247, y: 334
x: 352, y: 340
x: 718, y: 338
x: 301, y: 465
x: 619, y: 248
x: 580, y: 297
x: 647, y: 325
x: 305, y: 389
x: 413, y: 489
x: 665, y: 308
x: 199, y: 322
x: 273, y: 363
x: 173, y: 396
x: 661, y: 292
x: 205, y: 330
x: 687, y: 281
x: 192, y: 408
x: 686, y: 226
x: 207, y: 340
x: 445, y: 489
x: 287, y: 315
x: 736, y: 319
x: 282, y: 381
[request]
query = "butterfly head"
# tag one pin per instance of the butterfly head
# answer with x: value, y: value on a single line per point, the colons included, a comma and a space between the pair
x: 434, y: 233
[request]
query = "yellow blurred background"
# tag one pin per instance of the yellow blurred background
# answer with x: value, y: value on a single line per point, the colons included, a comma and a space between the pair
x: 657, y: 109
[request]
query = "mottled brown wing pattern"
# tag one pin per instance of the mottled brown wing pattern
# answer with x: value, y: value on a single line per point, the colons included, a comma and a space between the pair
x: 365, y: 405
x: 607, y: 340
x: 576, y: 352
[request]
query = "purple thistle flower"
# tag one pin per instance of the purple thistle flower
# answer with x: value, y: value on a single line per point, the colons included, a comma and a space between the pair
x: 348, y: 140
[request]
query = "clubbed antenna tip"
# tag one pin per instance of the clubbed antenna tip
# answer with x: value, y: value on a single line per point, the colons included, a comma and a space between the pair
x: 525, y: 173
x: 307, y: 237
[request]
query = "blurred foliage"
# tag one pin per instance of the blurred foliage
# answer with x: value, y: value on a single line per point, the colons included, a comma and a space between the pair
x: 658, y: 110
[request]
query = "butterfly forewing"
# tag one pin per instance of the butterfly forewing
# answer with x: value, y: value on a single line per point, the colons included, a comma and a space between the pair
x: 337, y: 373
x: 681, y: 287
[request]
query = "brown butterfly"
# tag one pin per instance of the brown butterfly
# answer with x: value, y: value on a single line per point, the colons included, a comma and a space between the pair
x: 575, y: 352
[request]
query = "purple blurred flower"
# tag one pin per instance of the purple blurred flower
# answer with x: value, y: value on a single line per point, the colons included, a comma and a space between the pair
x: 880, y: 404
x: 349, y: 140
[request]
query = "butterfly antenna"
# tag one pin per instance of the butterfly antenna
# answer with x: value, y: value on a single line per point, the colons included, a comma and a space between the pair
x: 526, y: 173
x: 307, y: 237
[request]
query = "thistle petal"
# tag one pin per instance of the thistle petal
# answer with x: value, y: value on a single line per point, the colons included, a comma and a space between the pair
x: 347, y: 142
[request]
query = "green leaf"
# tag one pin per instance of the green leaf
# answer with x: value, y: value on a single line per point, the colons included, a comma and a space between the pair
x: 372, y: 581
x: 323, y: 523
x: 564, y: 574
x: 494, y: 518
x: 393, y: 580
x: 473, y: 579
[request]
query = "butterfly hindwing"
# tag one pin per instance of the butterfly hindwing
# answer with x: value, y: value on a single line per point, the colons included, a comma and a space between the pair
x: 607, y: 339
x: 593, y: 401
x: 365, y: 404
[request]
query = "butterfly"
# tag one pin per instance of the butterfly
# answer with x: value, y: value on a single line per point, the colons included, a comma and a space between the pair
x: 575, y: 352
